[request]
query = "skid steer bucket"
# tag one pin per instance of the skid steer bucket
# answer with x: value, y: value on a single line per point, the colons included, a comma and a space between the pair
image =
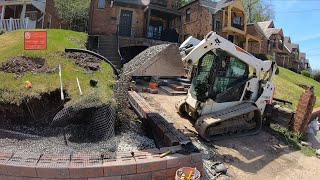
x: 160, y: 60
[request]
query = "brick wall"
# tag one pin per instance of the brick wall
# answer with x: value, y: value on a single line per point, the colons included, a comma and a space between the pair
x: 51, y: 11
x: 253, y: 47
x: 104, y: 21
x: 200, y: 23
x: 140, y: 165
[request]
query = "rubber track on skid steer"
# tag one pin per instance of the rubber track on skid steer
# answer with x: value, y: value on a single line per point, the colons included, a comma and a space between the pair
x: 206, y: 121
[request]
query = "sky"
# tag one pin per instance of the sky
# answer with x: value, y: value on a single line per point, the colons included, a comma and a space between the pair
x: 300, y: 19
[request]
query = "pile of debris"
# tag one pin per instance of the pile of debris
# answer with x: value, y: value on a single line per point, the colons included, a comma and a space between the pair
x: 22, y: 64
x: 84, y: 60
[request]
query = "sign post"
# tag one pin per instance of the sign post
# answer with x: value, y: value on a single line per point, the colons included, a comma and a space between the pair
x: 35, y: 40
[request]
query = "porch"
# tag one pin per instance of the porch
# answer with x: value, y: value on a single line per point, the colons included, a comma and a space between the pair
x: 22, y: 14
x: 158, y: 25
x: 14, y: 24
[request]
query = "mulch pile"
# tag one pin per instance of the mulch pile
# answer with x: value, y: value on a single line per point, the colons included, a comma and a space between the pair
x: 22, y: 64
x: 84, y: 60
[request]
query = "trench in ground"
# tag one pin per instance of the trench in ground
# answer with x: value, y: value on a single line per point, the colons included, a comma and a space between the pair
x: 27, y: 128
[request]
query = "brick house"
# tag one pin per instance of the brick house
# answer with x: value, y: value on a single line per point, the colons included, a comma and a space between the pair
x: 124, y: 28
x: 17, y: 14
x: 271, y: 41
x: 51, y: 18
x: 226, y: 17
x: 294, y: 55
x: 29, y: 14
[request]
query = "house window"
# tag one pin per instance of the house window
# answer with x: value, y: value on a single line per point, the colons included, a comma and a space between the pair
x: 218, y: 26
x: 188, y: 14
x: 101, y: 4
x: 237, y: 20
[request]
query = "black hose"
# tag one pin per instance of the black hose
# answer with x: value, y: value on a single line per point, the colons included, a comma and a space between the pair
x: 116, y: 72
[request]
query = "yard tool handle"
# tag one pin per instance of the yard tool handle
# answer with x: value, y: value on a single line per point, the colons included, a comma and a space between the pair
x: 116, y: 72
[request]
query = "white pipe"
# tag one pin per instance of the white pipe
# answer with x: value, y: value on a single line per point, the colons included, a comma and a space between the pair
x: 79, y: 86
x: 61, y: 87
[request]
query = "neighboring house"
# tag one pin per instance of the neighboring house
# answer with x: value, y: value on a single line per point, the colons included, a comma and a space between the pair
x: 226, y: 17
x: 304, y: 61
x: 272, y: 40
x: 51, y: 18
x: 22, y: 14
x: 294, y: 62
x: 124, y: 28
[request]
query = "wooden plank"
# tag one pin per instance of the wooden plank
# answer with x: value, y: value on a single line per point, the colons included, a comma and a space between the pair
x: 171, y: 92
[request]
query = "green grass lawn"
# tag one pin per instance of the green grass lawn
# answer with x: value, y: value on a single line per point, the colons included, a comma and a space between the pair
x: 287, y: 87
x: 12, y: 88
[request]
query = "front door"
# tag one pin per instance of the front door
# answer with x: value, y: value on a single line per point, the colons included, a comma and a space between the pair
x: 125, y: 23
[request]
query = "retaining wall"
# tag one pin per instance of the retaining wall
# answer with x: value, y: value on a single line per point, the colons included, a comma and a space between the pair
x: 139, y: 165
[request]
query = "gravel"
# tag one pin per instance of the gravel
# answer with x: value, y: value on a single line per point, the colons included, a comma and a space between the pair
x: 75, y: 140
x: 143, y: 57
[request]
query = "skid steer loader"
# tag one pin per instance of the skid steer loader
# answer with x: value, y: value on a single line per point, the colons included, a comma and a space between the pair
x: 229, y: 91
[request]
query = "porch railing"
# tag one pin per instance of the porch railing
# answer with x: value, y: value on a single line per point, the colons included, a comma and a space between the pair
x: 14, y: 24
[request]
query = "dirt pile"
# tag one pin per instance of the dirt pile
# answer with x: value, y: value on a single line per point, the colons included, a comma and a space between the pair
x: 84, y: 60
x: 22, y: 64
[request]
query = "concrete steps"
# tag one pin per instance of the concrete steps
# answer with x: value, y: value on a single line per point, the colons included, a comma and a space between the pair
x: 108, y: 47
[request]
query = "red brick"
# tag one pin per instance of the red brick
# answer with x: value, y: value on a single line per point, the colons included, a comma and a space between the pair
x: 159, y: 175
x: 47, y: 172
x: 85, y: 166
x: 3, y: 177
x: 86, y: 172
x: 23, y: 165
x: 4, y: 158
x: 53, y: 166
x: 14, y: 170
x: 147, y: 152
x: 177, y: 160
x: 171, y: 172
x: 119, y: 167
x: 106, y: 178
x: 145, y: 176
x: 150, y: 163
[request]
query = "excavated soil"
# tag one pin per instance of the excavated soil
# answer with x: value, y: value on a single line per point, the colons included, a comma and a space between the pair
x: 84, y: 60
x: 22, y: 64
x: 33, y: 111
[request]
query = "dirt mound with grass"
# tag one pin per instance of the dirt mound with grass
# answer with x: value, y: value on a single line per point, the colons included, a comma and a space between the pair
x: 22, y: 64
x: 84, y: 60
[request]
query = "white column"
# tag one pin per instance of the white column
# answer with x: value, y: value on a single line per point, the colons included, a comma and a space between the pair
x: 23, y: 12
x: 3, y: 12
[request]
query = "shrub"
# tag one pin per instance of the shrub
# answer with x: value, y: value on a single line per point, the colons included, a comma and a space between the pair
x: 306, y: 73
x: 2, y: 31
x: 317, y: 77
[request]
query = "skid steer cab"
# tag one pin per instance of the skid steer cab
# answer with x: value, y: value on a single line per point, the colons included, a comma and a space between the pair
x: 230, y: 88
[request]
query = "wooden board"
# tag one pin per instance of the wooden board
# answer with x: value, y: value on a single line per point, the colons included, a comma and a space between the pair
x: 172, y: 92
